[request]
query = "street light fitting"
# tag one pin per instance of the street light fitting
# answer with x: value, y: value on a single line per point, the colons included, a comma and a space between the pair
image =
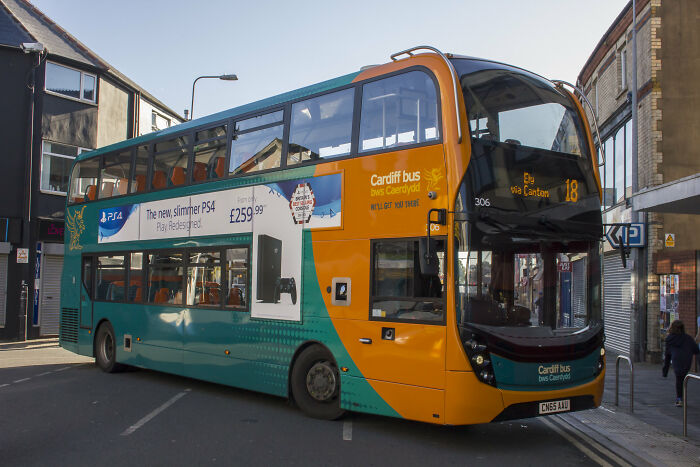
x: 224, y: 77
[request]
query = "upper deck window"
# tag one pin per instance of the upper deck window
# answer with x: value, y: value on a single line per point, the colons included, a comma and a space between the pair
x: 256, y: 150
x: 83, y: 186
x: 209, y: 154
x: 114, y: 179
x: 170, y: 163
x: 70, y: 82
x: 509, y: 105
x: 321, y: 127
x: 397, y: 111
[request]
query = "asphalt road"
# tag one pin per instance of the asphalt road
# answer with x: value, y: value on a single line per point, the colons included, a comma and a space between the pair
x: 60, y: 409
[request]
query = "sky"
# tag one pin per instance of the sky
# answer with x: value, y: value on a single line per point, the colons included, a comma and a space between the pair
x: 278, y: 46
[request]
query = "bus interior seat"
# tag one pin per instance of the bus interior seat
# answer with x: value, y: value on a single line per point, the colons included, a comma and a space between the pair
x: 161, y: 295
x: 138, y: 294
x: 199, y: 172
x: 90, y: 192
x: 140, y: 184
x: 219, y: 165
x: 107, y: 189
x: 177, y: 176
x: 235, y: 297
x: 122, y: 186
x: 214, y: 297
x: 159, y: 180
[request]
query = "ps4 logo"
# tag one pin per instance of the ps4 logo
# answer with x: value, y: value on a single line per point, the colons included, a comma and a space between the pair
x: 110, y: 216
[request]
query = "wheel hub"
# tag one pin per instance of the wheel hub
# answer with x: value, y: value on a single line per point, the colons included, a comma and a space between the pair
x: 321, y: 381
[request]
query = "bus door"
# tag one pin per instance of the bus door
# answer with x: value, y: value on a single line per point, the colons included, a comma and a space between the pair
x: 403, y: 341
x: 87, y: 274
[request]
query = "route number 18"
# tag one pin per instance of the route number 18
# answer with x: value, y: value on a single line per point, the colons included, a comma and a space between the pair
x: 571, y: 190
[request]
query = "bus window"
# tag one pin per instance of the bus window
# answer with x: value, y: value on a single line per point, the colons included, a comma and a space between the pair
x: 114, y: 179
x: 170, y: 163
x: 397, y: 111
x: 87, y: 274
x: 237, y: 278
x: 136, y: 291
x: 256, y: 150
x: 204, y: 278
x: 111, y: 277
x: 138, y: 181
x: 83, y: 185
x: 209, y: 154
x: 165, y: 275
x: 321, y: 127
x: 260, y: 120
x: 400, y: 292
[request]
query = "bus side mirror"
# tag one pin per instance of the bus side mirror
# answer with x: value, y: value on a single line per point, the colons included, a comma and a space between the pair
x: 427, y: 253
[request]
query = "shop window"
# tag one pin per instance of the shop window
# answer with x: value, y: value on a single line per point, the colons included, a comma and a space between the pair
x: 669, y: 294
x: 321, y: 127
x: 400, y: 290
x: 397, y: 111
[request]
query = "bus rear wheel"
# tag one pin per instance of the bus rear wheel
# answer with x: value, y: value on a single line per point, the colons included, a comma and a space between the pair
x: 106, y: 349
x: 316, y: 384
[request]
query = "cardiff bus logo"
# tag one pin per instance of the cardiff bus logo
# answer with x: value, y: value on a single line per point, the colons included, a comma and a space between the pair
x: 76, y: 227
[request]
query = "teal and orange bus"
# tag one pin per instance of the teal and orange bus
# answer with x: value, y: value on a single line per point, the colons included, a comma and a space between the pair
x: 419, y: 239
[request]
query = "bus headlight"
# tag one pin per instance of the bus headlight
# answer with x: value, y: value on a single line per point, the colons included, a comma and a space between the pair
x: 479, y: 357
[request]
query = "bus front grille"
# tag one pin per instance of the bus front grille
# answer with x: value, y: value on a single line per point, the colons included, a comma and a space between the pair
x: 69, y: 325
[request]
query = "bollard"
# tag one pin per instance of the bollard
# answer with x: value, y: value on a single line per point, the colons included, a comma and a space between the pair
x: 617, y: 380
x: 23, y: 293
x: 685, y: 401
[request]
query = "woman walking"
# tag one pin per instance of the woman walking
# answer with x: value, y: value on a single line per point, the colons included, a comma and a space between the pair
x: 680, y: 348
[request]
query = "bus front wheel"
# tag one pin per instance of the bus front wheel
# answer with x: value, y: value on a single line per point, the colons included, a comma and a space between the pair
x: 106, y: 349
x: 316, y: 384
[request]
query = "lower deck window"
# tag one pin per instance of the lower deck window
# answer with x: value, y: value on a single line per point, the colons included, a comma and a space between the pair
x: 400, y: 290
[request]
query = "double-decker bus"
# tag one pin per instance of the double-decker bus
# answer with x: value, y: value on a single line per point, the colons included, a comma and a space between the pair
x: 419, y: 239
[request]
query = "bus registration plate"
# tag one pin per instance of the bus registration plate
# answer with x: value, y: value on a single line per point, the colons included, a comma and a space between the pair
x: 554, y: 406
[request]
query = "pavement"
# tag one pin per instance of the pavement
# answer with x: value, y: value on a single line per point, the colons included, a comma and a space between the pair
x: 649, y: 433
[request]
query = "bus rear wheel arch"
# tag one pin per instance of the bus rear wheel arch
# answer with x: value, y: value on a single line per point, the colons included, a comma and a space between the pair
x: 106, y: 349
x: 315, y: 383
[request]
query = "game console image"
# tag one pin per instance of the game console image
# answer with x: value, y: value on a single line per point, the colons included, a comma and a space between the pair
x: 286, y: 285
x: 269, y: 269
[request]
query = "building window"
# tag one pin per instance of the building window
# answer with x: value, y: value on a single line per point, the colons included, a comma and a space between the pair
x: 623, y: 70
x: 69, y: 82
x: 616, y: 174
x: 159, y: 122
x: 56, y: 161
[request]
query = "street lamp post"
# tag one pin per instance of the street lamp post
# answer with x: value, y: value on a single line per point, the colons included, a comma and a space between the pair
x: 228, y: 77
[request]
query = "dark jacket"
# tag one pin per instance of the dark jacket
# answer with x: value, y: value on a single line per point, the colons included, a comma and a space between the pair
x: 680, y: 349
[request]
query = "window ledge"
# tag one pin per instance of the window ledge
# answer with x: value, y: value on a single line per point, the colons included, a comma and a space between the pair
x: 55, y: 193
x: 74, y: 99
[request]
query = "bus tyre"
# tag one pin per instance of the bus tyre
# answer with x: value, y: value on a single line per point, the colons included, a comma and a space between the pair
x: 106, y: 349
x: 316, y: 384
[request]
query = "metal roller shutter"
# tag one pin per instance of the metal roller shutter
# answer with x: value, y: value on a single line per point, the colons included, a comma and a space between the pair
x: 617, y: 304
x: 50, y: 294
x: 3, y: 289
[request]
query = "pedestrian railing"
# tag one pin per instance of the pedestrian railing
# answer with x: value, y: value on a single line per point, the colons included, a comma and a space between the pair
x: 617, y: 379
x: 685, y: 401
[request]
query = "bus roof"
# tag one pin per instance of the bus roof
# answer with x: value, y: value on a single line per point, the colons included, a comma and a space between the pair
x: 241, y: 110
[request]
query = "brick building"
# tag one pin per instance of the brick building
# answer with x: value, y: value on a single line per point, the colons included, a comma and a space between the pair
x: 661, y: 188
x: 60, y: 99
